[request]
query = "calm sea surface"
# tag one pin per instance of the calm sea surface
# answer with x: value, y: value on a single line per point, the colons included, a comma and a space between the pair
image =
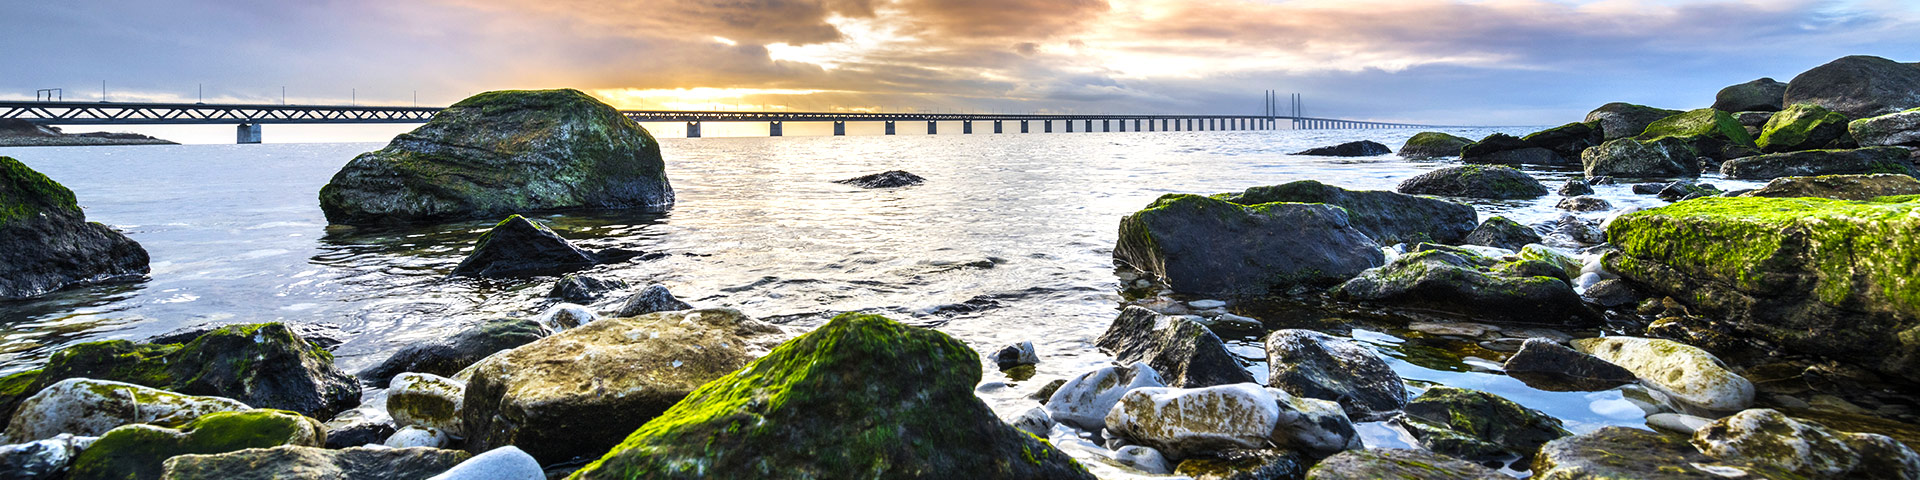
x: 1019, y: 228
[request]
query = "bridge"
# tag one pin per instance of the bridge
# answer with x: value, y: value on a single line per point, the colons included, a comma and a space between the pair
x: 249, y: 118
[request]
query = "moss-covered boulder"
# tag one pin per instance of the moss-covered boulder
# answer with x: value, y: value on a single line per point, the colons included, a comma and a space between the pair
x: 1183, y: 423
x: 1804, y: 127
x: 1504, y: 149
x: 1311, y: 364
x: 1870, y: 160
x: 1622, y: 120
x: 1386, y: 217
x: 447, y: 356
x: 1887, y: 130
x: 1627, y: 157
x: 1497, y: 182
x: 1622, y: 453
x: 1445, y: 281
x: 1858, y: 86
x: 1821, y: 276
x: 48, y: 241
x: 88, y: 407
x: 1433, y: 145
x: 861, y: 396
x: 1839, y: 187
x: 264, y: 365
x: 500, y: 153
x: 1685, y: 373
x: 1477, y: 425
x: 1501, y: 232
x: 1771, y: 442
x: 1205, y: 246
x: 136, y: 452
x: 1763, y: 95
x: 1712, y: 133
x: 1398, y: 464
x: 294, y: 462
x: 1185, y: 353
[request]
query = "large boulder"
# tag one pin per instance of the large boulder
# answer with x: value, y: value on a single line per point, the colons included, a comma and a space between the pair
x: 1858, y: 86
x: 1763, y: 95
x: 1892, y: 129
x: 1839, y: 187
x: 294, y: 462
x: 1433, y: 145
x: 1772, y: 442
x: 517, y: 247
x: 1397, y: 463
x: 1547, y: 365
x: 1567, y: 141
x: 578, y: 392
x: 1500, y: 148
x: 1202, y: 245
x: 137, y: 452
x: 1685, y: 373
x: 1311, y: 364
x: 50, y: 244
x: 1627, y: 157
x: 1477, y: 425
x: 500, y: 153
x: 1622, y: 120
x: 1620, y: 453
x: 1186, y: 422
x: 1083, y: 401
x: 446, y: 356
x: 88, y: 407
x: 1804, y: 127
x: 1516, y: 291
x: 1362, y: 148
x: 861, y: 396
x: 1386, y: 217
x: 1820, y: 276
x: 264, y: 365
x: 1497, y: 182
x: 1821, y: 162
x: 1712, y: 133
x: 1184, y: 352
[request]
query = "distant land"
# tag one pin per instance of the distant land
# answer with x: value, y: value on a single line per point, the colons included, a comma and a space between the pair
x: 21, y: 133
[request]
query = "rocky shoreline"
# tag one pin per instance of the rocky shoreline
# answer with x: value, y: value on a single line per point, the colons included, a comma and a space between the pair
x: 19, y: 133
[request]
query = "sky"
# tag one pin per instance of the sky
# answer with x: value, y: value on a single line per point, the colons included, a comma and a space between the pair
x: 1463, y: 62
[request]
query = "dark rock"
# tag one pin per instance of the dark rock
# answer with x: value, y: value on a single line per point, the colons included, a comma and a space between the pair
x: 48, y: 241
x: 1363, y: 148
x: 1821, y: 162
x: 854, y: 401
x: 1575, y: 188
x: 1839, y: 187
x: 1683, y: 190
x: 1554, y: 146
x: 1500, y: 232
x: 1477, y: 181
x: 1548, y: 365
x: 358, y: 433
x: 1584, y: 203
x: 1016, y: 355
x: 1567, y: 141
x: 1244, y: 465
x: 1753, y: 121
x: 1395, y: 463
x: 446, y: 357
x: 1184, y: 352
x: 887, y: 179
x: 1311, y: 364
x: 1763, y: 95
x: 1386, y: 217
x: 1902, y: 129
x: 46, y: 459
x: 263, y: 365
x: 654, y: 298
x: 1046, y: 391
x: 1571, y: 230
x: 517, y: 247
x: 1433, y: 145
x: 1487, y: 150
x: 1477, y: 425
x: 583, y: 289
x: 1621, y: 452
x: 1611, y: 293
x: 139, y: 452
x: 1649, y: 188
x: 1206, y: 246
x: 500, y: 153
x: 1600, y: 180
x: 1627, y: 157
x: 1447, y: 282
x: 1804, y: 127
x: 1858, y: 86
x: 1622, y: 120
x: 290, y: 462
x: 323, y: 335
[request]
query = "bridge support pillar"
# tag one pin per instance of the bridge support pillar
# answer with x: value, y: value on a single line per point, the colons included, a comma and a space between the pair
x: 1069, y: 125
x: 966, y: 127
x: 840, y: 128
x: 889, y: 127
x: 997, y: 127
x: 693, y: 129
x: 247, y: 133
x: 1023, y: 126
x: 933, y: 128
x: 1089, y: 125
x: 774, y: 129
x: 1123, y: 126
x: 1047, y: 126
x: 1106, y: 126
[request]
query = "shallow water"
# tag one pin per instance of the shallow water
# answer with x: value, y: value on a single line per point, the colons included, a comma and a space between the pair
x: 1009, y: 240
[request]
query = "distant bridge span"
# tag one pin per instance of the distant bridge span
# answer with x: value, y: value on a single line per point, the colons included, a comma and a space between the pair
x: 250, y: 117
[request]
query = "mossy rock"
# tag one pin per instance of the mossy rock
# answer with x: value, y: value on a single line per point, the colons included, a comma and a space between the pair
x: 1887, y: 130
x: 1209, y: 246
x: 264, y: 365
x: 136, y: 452
x: 860, y: 397
x: 290, y: 462
x: 1386, y: 217
x: 26, y: 193
x: 1803, y: 127
x: 1441, y: 281
x: 1398, y: 464
x: 1627, y: 157
x: 89, y: 407
x: 1488, y: 425
x: 1705, y: 122
x: 1497, y: 182
x: 1622, y: 120
x: 48, y: 241
x: 1871, y: 160
x: 1839, y: 187
x: 1567, y: 141
x: 1502, y: 232
x: 1184, y: 352
x: 1433, y: 145
x: 1622, y: 453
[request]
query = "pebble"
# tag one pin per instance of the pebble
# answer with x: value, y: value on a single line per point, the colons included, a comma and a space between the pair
x: 418, y: 437
x: 504, y: 463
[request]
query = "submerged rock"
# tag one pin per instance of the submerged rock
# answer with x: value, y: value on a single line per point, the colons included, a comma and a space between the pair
x: 1763, y: 95
x: 1621, y: 452
x: 1683, y: 372
x: 1083, y: 401
x: 264, y: 365
x: 1627, y: 157
x: 292, y: 462
x: 1804, y: 127
x: 1858, y: 86
x: 887, y: 179
x: 1446, y: 281
x: 1363, y: 148
x: 446, y: 357
x: 1770, y: 441
x: 1311, y: 364
x: 1188, y: 422
x: 517, y: 247
x: 1622, y: 120
x: 1548, y: 365
x: 1584, y: 203
x: 1433, y: 145
x: 1386, y: 217
x: 1242, y: 464
x: 1396, y: 463
x: 1184, y: 352
x: 583, y: 289
x: 566, y: 315
x: 1477, y: 425
x: 1839, y: 187
x: 1887, y: 130
x: 1477, y: 181
x: 654, y: 298
x: 1208, y: 246
x: 136, y: 452
x: 504, y: 152
x: 1499, y: 232
x: 1016, y: 355
x: 88, y: 407
x: 50, y: 244
x: 850, y: 399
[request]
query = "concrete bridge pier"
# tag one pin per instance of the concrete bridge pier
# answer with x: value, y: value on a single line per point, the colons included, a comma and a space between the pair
x: 889, y: 127
x: 693, y: 129
x: 247, y: 133
x: 839, y: 128
x: 966, y: 127
x: 1105, y: 126
x: 1048, y: 124
x: 1069, y: 125
x: 933, y: 128
x: 774, y: 128
x: 996, y: 127
x: 1123, y: 126
x: 1023, y: 126
x: 1089, y: 125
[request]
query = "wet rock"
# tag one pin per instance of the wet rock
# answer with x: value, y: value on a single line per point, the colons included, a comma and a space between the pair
x: 1500, y: 232
x: 1804, y: 127
x: 1033, y: 420
x: 1503, y: 149
x: 654, y: 298
x: 1770, y: 441
x: 582, y: 289
x: 517, y: 247
x: 290, y: 462
x: 263, y: 365
x: 860, y: 407
x: 355, y: 428
x: 1547, y: 365
x: 1649, y: 188
x: 1477, y: 181
x: 1883, y: 457
x: 1188, y: 422
x: 1686, y: 373
x: 1386, y: 217
x: 1244, y: 465
x: 1684, y: 190
x: 446, y: 357
x: 1142, y: 458
x: 1820, y: 162
x: 1575, y: 188
x: 1839, y: 187
x: 1887, y: 130
x: 504, y: 463
x: 887, y: 179
x: 1763, y: 95
x: 1569, y: 230
x: 88, y: 407
x: 1567, y: 141
x: 1207, y: 246
x: 1621, y: 452
x: 566, y: 315
x: 500, y: 153
x: 1184, y: 352
x: 1584, y: 203
x: 580, y: 391
x: 1311, y: 364
x: 1712, y: 133
x: 50, y: 244
x: 1622, y: 120
x: 1016, y: 355
x: 135, y: 452
x: 418, y: 437
x: 1477, y: 425
x: 1611, y: 293
x: 1363, y: 148
x: 41, y: 459
x: 1083, y: 401
x: 1858, y: 86
x: 1445, y: 281
x: 1627, y: 157
x: 1384, y: 463
x: 425, y: 400
x: 1433, y: 145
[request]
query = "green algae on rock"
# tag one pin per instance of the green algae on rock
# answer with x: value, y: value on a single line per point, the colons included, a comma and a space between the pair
x: 1386, y: 217
x: 1804, y: 127
x: 1433, y: 145
x: 48, y: 241
x: 89, y: 407
x: 1448, y: 282
x: 295, y: 462
x: 136, y: 452
x: 1205, y: 245
x: 1622, y: 120
x: 504, y: 152
x: 1869, y: 160
x: 1497, y: 182
x: 860, y: 397
x: 1627, y: 157
x: 1477, y: 425
x: 1839, y: 187
x: 1712, y: 133
x: 1887, y: 130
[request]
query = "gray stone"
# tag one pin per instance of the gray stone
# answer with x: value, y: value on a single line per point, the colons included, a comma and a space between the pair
x: 1763, y: 95
x: 290, y: 462
x: 1620, y: 453
x: 887, y: 179
x: 1575, y: 188
x: 1016, y: 355
x: 566, y: 315
x: 1839, y: 187
x: 1311, y: 364
x: 1584, y: 203
x: 1477, y: 181
x: 1858, y: 86
x: 1188, y: 422
x: 50, y: 244
x: 88, y: 407
x: 1207, y: 246
x: 1628, y: 157
x: 504, y: 463
x: 1184, y: 353
x: 446, y: 357
x: 1547, y: 365
x: 1386, y: 217
x: 41, y: 459
x: 1501, y: 232
x: 427, y: 401
x: 654, y: 298
x: 1083, y: 401
x: 1894, y: 129
x: 410, y: 437
x: 1477, y: 425
x: 517, y: 247
x: 583, y: 289
x: 1820, y: 162
x: 1622, y: 120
